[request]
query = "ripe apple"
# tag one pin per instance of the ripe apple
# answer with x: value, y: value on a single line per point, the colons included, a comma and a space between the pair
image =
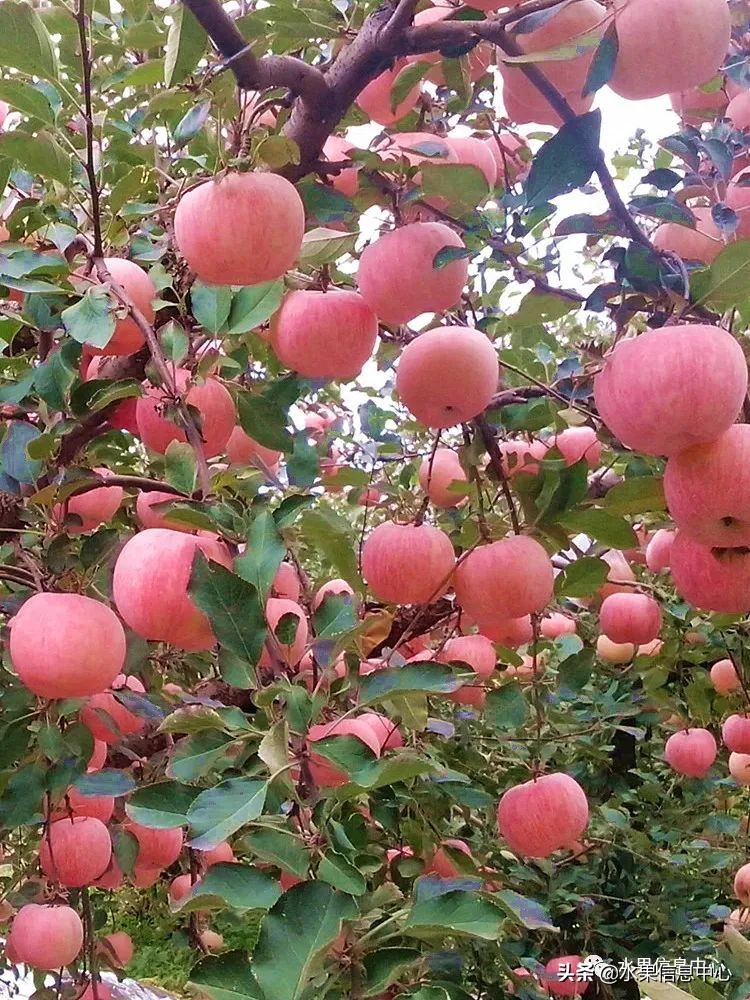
x: 75, y: 852
x: 397, y: 276
x: 324, y: 335
x: 513, y: 576
x: 475, y: 650
x: 421, y: 383
x: 156, y: 848
x: 46, y: 937
x: 407, y: 563
x: 561, y: 976
x: 92, y: 508
x: 150, y: 586
x: 79, y: 650
x: 543, y: 815
x: 670, y: 388
x: 659, y: 549
x: 691, y: 752
x: 711, y: 579
x: 438, y: 473
x: 614, y: 652
x: 212, y: 401
x: 376, y: 102
x: 735, y: 731
x: 724, y: 677
x: 241, y: 229
x: 698, y: 32
x: 632, y: 618
x: 707, y: 488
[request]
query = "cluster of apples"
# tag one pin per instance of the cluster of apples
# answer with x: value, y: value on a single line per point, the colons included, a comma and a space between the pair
x: 700, y: 30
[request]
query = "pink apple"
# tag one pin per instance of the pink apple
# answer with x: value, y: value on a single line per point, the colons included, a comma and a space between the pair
x: 632, y: 618
x: 671, y: 388
x: 735, y: 731
x: 724, y: 677
x: 711, y: 579
x: 512, y: 577
x: 691, y: 752
x: 543, y: 815
x: 659, y: 549
x: 707, y: 488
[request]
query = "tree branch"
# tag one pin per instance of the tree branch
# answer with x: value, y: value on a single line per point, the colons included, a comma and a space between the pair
x: 90, y: 166
x: 251, y: 72
x: 165, y: 373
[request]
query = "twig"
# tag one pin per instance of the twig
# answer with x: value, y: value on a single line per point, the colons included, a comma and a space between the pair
x: 96, y: 222
x: 165, y: 374
x: 496, y: 461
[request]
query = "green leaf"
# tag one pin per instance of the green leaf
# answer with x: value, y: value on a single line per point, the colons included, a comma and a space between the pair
x: 639, y: 495
x: 566, y: 161
x: 575, y: 671
x: 253, y: 305
x: 191, y: 124
x: 263, y: 554
x: 406, y: 80
x: 324, y: 246
x: 174, y: 341
x: 274, y: 749
x: 180, y: 467
x: 105, y: 782
x: 601, y: 526
x: 186, y: 44
x: 353, y: 757
x: 295, y: 935
x: 264, y: 420
x: 277, y: 847
x: 581, y: 578
x: 462, y: 185
x: 506, y: 707
x: 303, y: 464
x: 226, y: 977
x: 91, y: 320
x: 163, y: 805
x: 385, y: 966
x: 26, y: 98
x: 25, y: 43
x: 426, y: 676
x: 40, y: 154
x: 526, y: 911
x: 53, y: 379
x: 239, y: 886
x: 14, y: 457
x: 728, y: 278
x: 341, y: 874
x: 335, y: 616
x: 332, y: 536
x: 458, y: 912
x: 603, y: 64
x: 196, y: 756
x: 21, y: 800
x: 233, y: 607
x: 219, y: 812
x: 99, y: 393
x: 211, y: 305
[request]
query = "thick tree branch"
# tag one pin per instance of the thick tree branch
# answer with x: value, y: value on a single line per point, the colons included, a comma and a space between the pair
x: 127, y: 482
x: 251, y: 72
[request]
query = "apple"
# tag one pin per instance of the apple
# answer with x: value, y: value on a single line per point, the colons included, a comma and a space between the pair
x: 438, y: 473
x: 735, y: 731
x: 632, y: 618
x: 691, y: 752
x: 668, y: 45
x: 711, y: 579
x: 671, y: 388
x: 561, y: 976
x: 240, y: 229
x: 397, y: 276
x: 724, y: 677
x: 543, y: 815
x: 407, y: 563
x: 75, y: 852
x: 659, y: 549
x: 614, y: 652
x: 432, y: 398
x: 707, y: 488
x: 324, y: 334
x: 79, y: 650
x: 513, y: 577
x: 475, y: 650
x: 46, y: 937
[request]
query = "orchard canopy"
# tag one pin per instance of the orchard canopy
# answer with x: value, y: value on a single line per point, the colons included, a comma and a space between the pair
x: 375, y: 494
